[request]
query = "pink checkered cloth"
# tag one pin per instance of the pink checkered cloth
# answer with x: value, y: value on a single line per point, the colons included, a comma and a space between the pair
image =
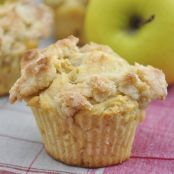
x: 21, y: 150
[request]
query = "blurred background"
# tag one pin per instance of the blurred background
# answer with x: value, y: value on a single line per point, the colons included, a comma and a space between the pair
x: 138, y: 31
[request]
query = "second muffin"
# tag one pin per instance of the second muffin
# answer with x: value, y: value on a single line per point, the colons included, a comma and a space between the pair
x: 22, y: 25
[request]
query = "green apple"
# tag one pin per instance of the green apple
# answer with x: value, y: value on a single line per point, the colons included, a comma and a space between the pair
x: 139, y: 30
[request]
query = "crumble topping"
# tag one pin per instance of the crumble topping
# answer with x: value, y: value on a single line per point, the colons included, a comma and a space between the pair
x: 76, y: 79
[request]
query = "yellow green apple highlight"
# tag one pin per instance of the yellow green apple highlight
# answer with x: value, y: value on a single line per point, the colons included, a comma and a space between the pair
x: 139, y: 30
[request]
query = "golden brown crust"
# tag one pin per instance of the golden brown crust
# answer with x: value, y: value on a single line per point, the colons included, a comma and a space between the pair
x: 150, y: 75
x: 37, y: 75
x: 74, y: 78
x: 144, y: 84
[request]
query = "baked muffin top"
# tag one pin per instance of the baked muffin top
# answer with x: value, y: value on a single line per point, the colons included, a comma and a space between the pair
x: 72, y: 78
x: 22, y: 23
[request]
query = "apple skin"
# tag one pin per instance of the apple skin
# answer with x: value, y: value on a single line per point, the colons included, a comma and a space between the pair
x: 108, y: 22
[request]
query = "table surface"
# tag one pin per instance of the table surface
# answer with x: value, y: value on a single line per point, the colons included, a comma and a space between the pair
x: 21, y: 149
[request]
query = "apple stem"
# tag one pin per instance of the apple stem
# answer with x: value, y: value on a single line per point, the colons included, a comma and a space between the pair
x: 150, y: 19
x: 136, y: 21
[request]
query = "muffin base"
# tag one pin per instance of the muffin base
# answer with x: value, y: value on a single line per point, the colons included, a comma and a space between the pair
x: 90, y: 141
